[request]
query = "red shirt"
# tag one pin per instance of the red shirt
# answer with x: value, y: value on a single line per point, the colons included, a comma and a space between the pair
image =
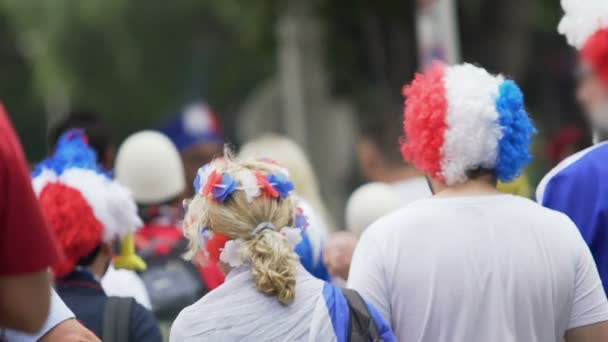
x: 26, y: 243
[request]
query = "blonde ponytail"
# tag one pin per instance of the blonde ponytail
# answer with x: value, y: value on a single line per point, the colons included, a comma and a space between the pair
x: 273, y: 265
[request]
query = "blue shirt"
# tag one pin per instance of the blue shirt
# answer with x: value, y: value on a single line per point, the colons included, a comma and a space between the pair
x: 578, y: 187
x: 84, y: 296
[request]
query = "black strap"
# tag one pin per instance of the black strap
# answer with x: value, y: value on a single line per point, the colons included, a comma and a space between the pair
x: 116, y: 319
x: 362, y: 325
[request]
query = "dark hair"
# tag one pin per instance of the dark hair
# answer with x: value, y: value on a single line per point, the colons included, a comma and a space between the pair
x: 94, y: 126
x: 382, y: 126
x: 88, y: 259
x: 482, y: 172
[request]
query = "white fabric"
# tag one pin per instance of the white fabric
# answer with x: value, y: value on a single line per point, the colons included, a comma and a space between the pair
x: 471, y: 117
x: 411, y: 190
x: 582, y: 19
x: 482, y: 268
x: 125, y: 283
x: 58, y: 313
x: 149, y: 164
x: 542, y: 186
x: 368, y: 203
x: 237, y: 312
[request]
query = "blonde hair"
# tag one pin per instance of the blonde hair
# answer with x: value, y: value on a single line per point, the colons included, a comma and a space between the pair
x: 271, y: 255
x: 289, y: 154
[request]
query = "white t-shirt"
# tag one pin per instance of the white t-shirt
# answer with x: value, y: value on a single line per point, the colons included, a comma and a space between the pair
x: 412, y: 189
x: 125, y: 283
x: 238, y: 312
x: 482, y: 268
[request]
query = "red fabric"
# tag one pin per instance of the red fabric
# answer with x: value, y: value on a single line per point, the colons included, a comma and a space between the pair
x: 425, y: 122
x: 26, y: 243
x: 163, y: 238
x: 595, y: 52
x: 73, y: 222
x: 268, y: 189
x: 215, y: 247
x: 212, y: 275
x: 214, y: 179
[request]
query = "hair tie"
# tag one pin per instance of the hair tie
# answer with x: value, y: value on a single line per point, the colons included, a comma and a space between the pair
x: 262, y: 227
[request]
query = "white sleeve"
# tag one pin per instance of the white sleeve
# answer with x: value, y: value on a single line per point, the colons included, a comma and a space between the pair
x: 589, y: 304
x: 58, y: 313
x: 367, y: 275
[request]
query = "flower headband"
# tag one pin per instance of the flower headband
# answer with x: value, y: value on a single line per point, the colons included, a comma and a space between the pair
x: 220, y: 186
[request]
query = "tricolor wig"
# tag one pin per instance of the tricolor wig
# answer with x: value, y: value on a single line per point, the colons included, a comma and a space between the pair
x: 460, y: 118
x: 585, y: 25
x: 82, y: 204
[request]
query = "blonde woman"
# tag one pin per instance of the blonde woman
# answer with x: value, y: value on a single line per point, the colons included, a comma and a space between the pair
x: 244, y: 216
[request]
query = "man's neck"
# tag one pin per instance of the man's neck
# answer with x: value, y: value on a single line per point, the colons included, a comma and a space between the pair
x: 402, y: 174
x: 477, y: 187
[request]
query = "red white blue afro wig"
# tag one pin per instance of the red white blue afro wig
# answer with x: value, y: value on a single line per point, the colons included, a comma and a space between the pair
x: 82, y: 204
x: 461, y: 118
x: 585, y: 25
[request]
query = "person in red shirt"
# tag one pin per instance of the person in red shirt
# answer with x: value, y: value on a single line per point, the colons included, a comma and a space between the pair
x: 27, y: 248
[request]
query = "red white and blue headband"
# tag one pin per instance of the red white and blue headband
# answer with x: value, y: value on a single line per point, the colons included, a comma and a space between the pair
x: 461, y: 118
x: 585, y: 25
x: 219, y: 187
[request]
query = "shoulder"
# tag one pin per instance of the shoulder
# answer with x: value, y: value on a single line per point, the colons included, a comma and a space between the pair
x: 584, y: 162
x: 400, y: 219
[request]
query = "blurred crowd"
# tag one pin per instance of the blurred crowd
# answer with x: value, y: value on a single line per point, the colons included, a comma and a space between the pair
x: 175, y: 235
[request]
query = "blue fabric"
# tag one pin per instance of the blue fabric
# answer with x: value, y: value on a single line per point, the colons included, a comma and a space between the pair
x: 385, y: 330
x: 305, y: 251
x: 517, y: 130
x: 337, y: 306
x: 72, y: 151
x: 339, y: 312
x: 85, y: 297
x: 183, y: 139
x: 581, y: 192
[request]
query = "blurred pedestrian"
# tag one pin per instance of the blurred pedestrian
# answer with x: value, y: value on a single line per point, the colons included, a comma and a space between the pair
x: 470, y: 263
x: 365, y: 205
x: 578, y: 186
x: 368, y: 203
x: 197, y: 134
x: 380, y: 159
x: 99, y: 135
x: 244, y: 216
x: 88, y: 212
x: 150, y: 166
x: 25, y: 292
x: 290, y: 155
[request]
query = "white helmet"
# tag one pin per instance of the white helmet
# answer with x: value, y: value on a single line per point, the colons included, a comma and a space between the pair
x: 149, y: 164
x: 368, y: 203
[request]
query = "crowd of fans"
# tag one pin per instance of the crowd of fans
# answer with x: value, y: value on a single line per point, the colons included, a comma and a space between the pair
x: 173, y: 236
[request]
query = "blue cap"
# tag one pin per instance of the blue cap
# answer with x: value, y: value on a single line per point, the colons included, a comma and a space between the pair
x: 196, y: 124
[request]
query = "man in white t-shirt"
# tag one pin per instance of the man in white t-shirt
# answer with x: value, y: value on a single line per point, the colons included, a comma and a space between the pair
x: 471, y: 264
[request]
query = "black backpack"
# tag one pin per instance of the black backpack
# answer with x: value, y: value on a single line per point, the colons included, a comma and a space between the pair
x: 362, y: 325
x: 117, y: 319
x: 172, y: 283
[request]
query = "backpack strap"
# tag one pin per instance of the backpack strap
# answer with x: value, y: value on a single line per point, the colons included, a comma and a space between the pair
x: 362, y: 324
x: 116, y: 319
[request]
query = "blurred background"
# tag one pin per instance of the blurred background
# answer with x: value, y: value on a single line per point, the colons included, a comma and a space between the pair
x: 318, y: 71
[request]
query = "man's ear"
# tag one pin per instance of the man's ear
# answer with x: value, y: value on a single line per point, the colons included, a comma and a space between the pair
x: 107, y: 249
x: 369, y: 159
